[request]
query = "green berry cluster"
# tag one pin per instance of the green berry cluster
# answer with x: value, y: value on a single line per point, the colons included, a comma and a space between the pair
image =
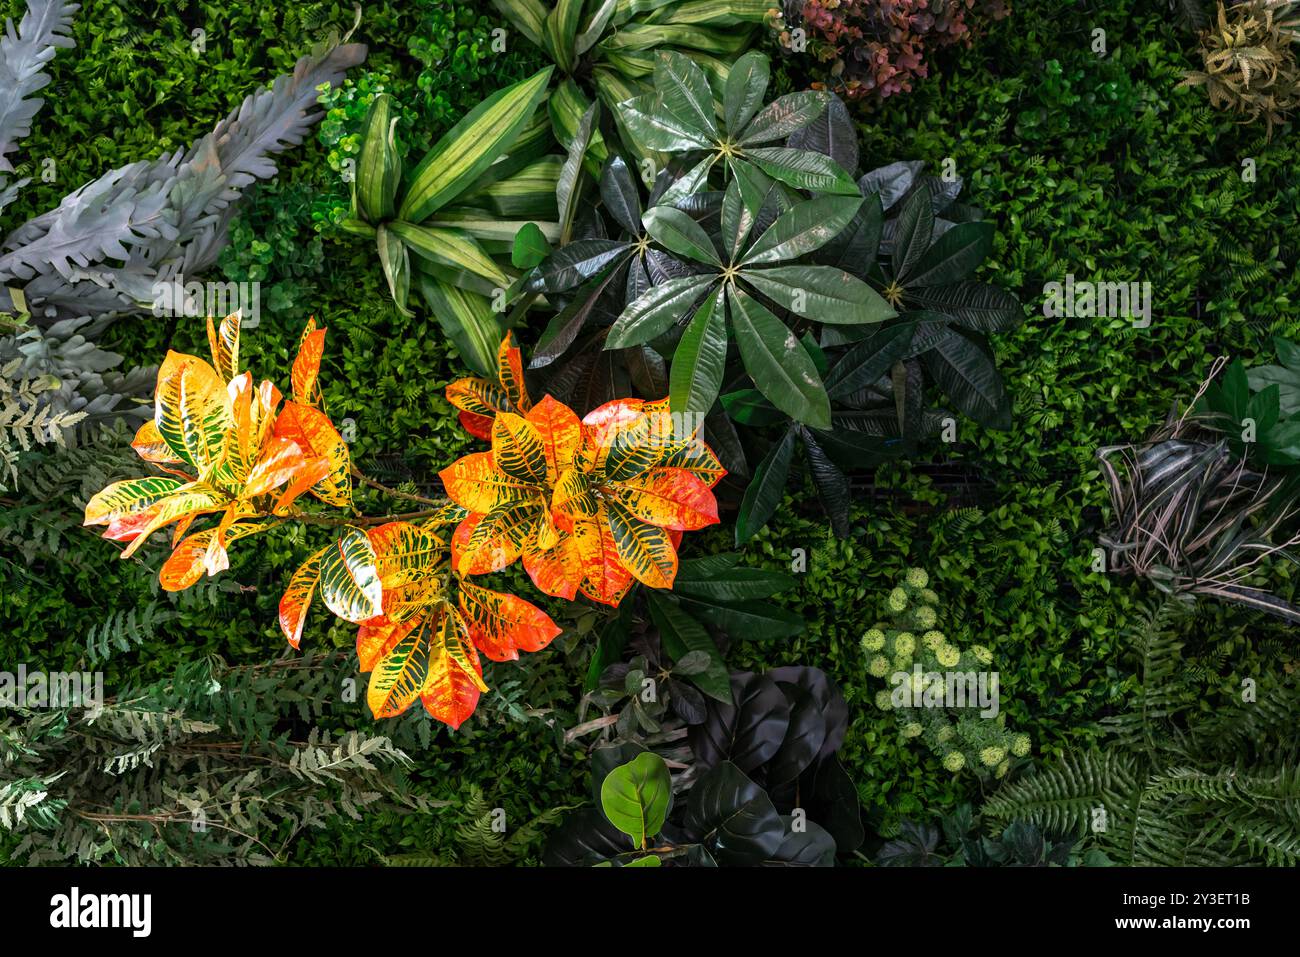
x: 962, y: 737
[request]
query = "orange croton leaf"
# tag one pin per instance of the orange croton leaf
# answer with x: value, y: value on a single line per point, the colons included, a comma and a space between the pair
x: 306, y: 366
x: 480, y: 400
x: 590, y: 505
x: 424, y: 642
x: 229, y: 451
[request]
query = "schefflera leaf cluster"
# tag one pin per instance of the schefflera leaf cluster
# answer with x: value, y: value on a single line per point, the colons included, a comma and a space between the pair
x: 844, y: 307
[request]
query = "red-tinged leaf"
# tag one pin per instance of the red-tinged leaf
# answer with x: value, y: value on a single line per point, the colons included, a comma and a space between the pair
x: 478, y: 397
x: 296, y: 599
x: 280, y: 461
x: 312, y: 430
x: 604, y: 578
x: 306, y: 365
x: 557, y: 572
x: 479, y: 426
x: 193, y: 499
x: 311, y: 475
x: 375, y: 638
x: 202, y: 553
x: 669, y: 498
x: 560, y: 431
x: 455, y: 678
x: 510, y: 372
x: 502, y: 625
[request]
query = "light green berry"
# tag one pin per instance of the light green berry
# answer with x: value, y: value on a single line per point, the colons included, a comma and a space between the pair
x: 925, y: 616
x: 884, y: 700
x: 917, y: 577
x: 897, y: 600
x: 934, y: 640
x: 945, y: 734
x: 982, y: 654
x: 873, y: 640
x: 1020, y: 745
x: 948, y: 656
x: 879, y: 666
x: 991, y: 755
x: 954, y: 761
x: 930, y: 596
x: 1001, y: 772
x: 904, y: 643
x: 902, y: 662
x: 912, y: 729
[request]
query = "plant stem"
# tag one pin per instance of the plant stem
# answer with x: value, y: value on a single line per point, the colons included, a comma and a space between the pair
x: 395, y: 493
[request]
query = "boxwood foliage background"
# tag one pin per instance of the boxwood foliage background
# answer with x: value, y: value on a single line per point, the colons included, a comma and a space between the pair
x: 1095, y: 166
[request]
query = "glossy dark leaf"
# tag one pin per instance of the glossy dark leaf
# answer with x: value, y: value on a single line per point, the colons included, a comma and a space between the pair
x: 566, y: 324
x: 752, y: 620
x: 586, y: 837
x: 831, y: 484
x: 869, y: 359
x: 734, y: 817
x: 974, y: 305
x: 657, y: 310
x: 968, y: 376
x: 913, y: 236
x: 832, y: 133
x: 747, y: 733
x: 765, y: 489
x: 619, y: 193
x: 745, y: 88
x: 574, y: 264
x: 681, y: 634
x: 803, y: 170
x: 779, y: 367
x: 810, y: 846
x: 953, y: 257
x: 803, y: 739
x: 783, y: 116
x: 700, y: 359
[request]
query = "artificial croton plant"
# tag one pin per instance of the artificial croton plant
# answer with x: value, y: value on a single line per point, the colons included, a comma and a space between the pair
x: 591, y: 506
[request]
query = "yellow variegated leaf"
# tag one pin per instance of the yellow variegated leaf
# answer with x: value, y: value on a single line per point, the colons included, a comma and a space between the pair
x: 192, y: 411
x: 399, y: 677
x: 669, y: 498
x: 518, y: 450
x: 409, y: 560
x: 224, y: 343
x: 297, y: 597
x: 126, y: 497
x: 149, y: 445
x: 558, y: 571
x: 349, y: 577
x: 457, y: 645
x: 193, y: 499
x: 496, y: 539
x: 574, y: 496
x: 474, y: 482
x: 644, y: 550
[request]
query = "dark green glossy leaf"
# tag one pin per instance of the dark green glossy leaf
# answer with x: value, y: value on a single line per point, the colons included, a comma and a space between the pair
x: 657, y: 310
x: 765, y: 490
x: 803, y: 169
x: 746, y: 86
x: 681, y: 634
x: 805, y: 228
x: 968, y: 375
x: 700, y: 359
x: 679, y: 233
x: 822, y: 293
x: 783, y: 116
x: 779, y: 366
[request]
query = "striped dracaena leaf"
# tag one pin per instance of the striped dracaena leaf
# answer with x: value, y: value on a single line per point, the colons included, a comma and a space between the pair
x: 471, y: 146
